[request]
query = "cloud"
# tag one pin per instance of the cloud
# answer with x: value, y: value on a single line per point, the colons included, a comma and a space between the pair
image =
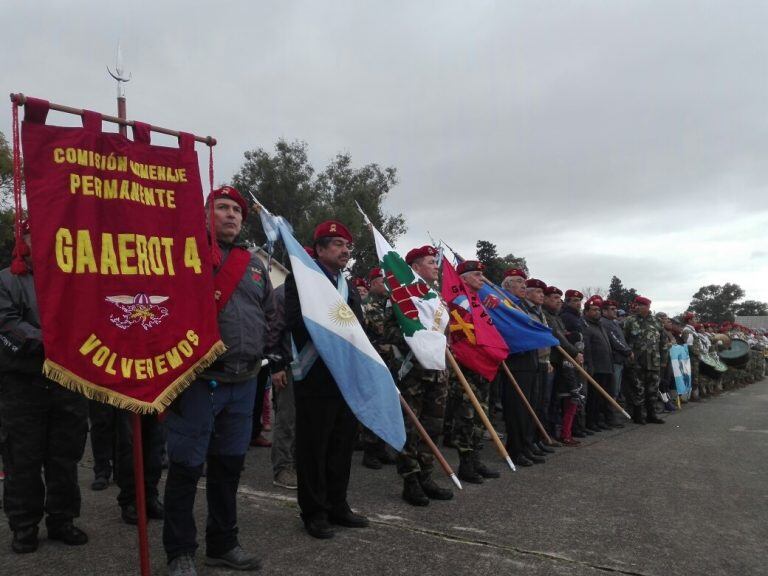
x: 593, y: 138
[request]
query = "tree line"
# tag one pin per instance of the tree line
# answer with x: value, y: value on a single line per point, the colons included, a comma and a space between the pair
x: 286, y: 183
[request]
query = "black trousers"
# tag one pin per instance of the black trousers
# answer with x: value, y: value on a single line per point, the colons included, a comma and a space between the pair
x: 258, y: 403
x: 103, y: 418
x: 45, y: 427
x: 325, y: 438
x: 152, y: 441
x: 517, y: 420
x: 597, y: 406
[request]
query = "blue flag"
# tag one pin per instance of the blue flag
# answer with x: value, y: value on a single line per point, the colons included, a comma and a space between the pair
x: 338, y: 338
x: 681, y: 368
x: 519, y: 331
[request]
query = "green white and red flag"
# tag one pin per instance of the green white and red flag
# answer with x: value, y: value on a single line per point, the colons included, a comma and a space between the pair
x: 420, y: 313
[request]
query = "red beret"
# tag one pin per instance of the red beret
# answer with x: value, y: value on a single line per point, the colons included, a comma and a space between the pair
x: 417, y: 253
x: 332, y: 229
x: 574, y: 294
x: 609, y: 303
x: 553, y: 290
x: 688, y: 315
x: 535, y: 283
x: 594, y: 301
x: 360, y: 282
x: 642, y: 300
x: 515, y: 272
x: 470, y: 266
x: 230, y: 194
x: 374, y: 273
x: 311, y: 251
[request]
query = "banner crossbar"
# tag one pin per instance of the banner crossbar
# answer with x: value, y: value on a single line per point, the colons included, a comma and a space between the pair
x: 21, y: 99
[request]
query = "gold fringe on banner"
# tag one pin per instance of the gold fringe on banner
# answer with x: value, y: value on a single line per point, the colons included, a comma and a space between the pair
x: 92, y: 391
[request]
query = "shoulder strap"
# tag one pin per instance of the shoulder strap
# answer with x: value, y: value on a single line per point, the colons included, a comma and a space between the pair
x: 228, y: 277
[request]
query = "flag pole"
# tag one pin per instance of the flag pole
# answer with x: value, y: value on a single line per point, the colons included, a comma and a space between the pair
x: 478, y: 408
x: 595, y: 385
x: 428, y: 441
x: 138, y: 448
x: 528, y: 406
x: 578, y: 366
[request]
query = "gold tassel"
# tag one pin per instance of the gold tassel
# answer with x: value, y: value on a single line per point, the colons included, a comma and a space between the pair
x: 92, y: 391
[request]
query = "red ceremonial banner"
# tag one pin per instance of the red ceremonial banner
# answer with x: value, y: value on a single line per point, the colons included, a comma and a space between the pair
x: 121, y: 261
x: 474, y: 339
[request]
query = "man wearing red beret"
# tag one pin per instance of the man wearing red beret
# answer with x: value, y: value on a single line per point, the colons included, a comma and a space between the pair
x: 524, y: 367
x: 210, y: 422
x: 645, y: 336
x: 325, y: 425
x: 362, y: 287
x: 571, y: 317
x: 375, y: 452
x: 692, y: 340
x: 621, y: 352
x: 568, y: 387
x: 598, y: 362
x: 468, y: 426
x: 424, y: 390
x: 542, y: 389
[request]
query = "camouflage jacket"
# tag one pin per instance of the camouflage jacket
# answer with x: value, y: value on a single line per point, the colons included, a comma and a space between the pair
x: 646, y: 338
x: 375, y: 310
x: 693, y: 340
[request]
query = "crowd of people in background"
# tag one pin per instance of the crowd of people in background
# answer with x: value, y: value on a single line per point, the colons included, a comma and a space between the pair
x: 269, y: 368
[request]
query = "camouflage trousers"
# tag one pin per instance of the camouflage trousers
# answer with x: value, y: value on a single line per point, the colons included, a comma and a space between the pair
x: 426, y: 392
x: 696, y: 383
x: 642, y: 385
x: 468, y: 427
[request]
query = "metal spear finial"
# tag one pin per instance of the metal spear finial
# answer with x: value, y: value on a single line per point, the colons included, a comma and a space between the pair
x: 119, y: 73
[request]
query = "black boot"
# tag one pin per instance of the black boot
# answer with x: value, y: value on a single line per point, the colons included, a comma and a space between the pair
x: 412, y: 491
x: 651, y: 417
x: 467, y: 470
x: 432, y: 490
x: 25, y: 540
x: 371, y: 460
x: 481, y: 468
x: 637, y: 415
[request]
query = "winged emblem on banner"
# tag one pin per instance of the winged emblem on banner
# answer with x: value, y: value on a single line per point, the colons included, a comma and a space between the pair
x: 140, y: 309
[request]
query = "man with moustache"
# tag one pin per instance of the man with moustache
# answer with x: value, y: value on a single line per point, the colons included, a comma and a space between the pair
x: 325, y: 425
x: 425, y: 391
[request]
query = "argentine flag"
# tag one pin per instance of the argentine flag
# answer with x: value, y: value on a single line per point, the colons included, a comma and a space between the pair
x: 360, y: 373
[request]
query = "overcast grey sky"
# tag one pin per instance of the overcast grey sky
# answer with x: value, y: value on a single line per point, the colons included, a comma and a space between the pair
x: 593, y: 138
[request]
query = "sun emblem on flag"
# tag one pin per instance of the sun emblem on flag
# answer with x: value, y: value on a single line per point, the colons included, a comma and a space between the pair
x: 342, y: 314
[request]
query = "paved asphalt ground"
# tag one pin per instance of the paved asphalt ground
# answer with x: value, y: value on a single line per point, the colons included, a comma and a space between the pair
x: 686, y: 498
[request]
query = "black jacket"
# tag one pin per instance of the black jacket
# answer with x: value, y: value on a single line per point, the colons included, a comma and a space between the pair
x: 597, y: 348
x: 318, y: 381
x: 21, y: 340
x: 621, y: 349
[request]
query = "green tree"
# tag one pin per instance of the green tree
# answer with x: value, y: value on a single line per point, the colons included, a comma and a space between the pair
x: 512, y: 261
x: 287, y: 184
x: 489, y: 256
x: 715, y: 303
x: 751, y: 308
x: 6, y: 203
x: 617, y: 292
x: 495, y: 265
